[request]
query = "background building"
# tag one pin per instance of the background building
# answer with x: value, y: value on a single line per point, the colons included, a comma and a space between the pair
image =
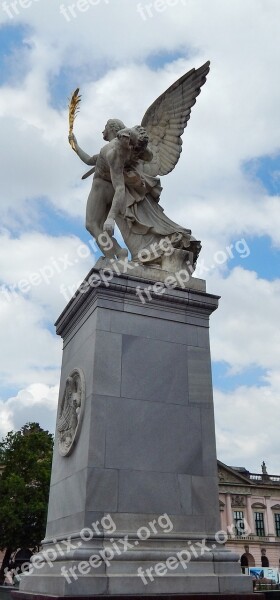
x: 250, y: 513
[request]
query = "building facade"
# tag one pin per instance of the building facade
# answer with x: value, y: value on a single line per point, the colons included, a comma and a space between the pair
x: 250, y: 514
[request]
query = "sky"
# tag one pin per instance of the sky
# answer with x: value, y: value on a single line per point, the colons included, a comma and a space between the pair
x: 226, y: 187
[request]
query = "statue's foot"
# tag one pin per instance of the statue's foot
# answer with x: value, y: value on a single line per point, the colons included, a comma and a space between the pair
x: 122, y: 253
x: 103, y: 263
x: 109, y: 226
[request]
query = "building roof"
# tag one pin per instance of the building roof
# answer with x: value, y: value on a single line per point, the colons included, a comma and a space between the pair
x: 243, y: 475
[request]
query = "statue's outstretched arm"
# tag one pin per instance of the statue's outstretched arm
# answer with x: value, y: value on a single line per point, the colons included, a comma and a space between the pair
x: 86, y: 158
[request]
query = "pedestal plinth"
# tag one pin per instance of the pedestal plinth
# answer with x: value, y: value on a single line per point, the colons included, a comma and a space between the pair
x: 133, y: 506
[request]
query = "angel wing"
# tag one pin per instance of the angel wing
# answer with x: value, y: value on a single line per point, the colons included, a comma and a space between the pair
x: 167, y: 118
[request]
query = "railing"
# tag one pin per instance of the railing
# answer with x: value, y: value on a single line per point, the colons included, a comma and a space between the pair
x: 235, y: 537
x: 264, y: 478
x: 258, y: 586
x: 249, y: 538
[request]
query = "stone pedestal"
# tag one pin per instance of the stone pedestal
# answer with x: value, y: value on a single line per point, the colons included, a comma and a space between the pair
x: 133, y: 506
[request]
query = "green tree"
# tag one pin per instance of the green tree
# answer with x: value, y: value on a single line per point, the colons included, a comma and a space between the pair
x: 26, y: 456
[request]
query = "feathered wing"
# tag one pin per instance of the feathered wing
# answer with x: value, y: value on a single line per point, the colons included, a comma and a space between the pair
x: 167, y: 118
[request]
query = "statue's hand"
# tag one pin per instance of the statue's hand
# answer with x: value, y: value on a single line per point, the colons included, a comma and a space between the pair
x: 72, y: 140
x: 109, y: 226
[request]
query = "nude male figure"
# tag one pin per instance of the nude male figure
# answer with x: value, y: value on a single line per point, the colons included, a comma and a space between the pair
x: 107, y: 201
x: 102, y: 192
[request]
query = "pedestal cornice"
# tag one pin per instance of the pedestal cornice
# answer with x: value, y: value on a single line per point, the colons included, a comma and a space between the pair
x: 123, y: 295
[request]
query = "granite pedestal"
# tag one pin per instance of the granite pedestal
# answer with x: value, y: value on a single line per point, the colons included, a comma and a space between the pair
x: 133, y: 507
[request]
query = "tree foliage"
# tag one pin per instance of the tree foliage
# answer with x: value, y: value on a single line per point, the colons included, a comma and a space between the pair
x: 24, y: 487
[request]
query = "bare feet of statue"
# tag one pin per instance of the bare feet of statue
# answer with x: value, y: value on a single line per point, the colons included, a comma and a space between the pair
x: 109, y: 226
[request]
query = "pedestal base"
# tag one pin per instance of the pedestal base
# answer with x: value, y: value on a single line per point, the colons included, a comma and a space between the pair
x: 133, y: 507
x: 26, y: 596
x: 175, y: 271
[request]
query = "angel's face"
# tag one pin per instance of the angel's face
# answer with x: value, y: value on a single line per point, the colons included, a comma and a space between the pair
x: 124, y: 137
x: 105, y: 133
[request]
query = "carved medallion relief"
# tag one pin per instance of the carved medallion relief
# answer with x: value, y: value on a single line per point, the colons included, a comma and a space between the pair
x: 70, y: 412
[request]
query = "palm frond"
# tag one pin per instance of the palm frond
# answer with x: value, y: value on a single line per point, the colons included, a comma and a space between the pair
x: 73, y: 108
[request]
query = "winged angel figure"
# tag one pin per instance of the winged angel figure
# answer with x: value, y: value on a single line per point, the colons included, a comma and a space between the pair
x: 126, y: 186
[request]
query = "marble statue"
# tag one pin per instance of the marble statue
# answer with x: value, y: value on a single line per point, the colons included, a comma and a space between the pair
x: 126, y: 187
x: 264, y: 468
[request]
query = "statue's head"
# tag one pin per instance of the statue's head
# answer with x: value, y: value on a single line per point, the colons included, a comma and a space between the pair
x: 125, y: 137
x: 135, y: 137
x: 142, y: 136
x: 111, y: 129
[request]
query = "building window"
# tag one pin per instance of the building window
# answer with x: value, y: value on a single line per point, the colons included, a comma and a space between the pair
x: 238, y: 519
x: 277, y: 524
x: 259, y: 522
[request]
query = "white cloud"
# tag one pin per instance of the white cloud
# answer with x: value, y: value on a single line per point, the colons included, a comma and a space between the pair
x: 36, y: 265
x: 33, y: 268
x: 245, y: 332
x: 30, y: 352
x: 247, y: 425
x: 235, y: 120
x: 29, y: 405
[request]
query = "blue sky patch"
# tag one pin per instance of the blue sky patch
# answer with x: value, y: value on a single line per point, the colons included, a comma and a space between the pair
x: 13, y: 53
x: 56, y: 223
x: 8, y: 391
x: 62, y: 84
x: 70, y: 77
x: 158, y: 60
x: 267, y: 170
x: 263, y: 258
x: 224, y: 381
